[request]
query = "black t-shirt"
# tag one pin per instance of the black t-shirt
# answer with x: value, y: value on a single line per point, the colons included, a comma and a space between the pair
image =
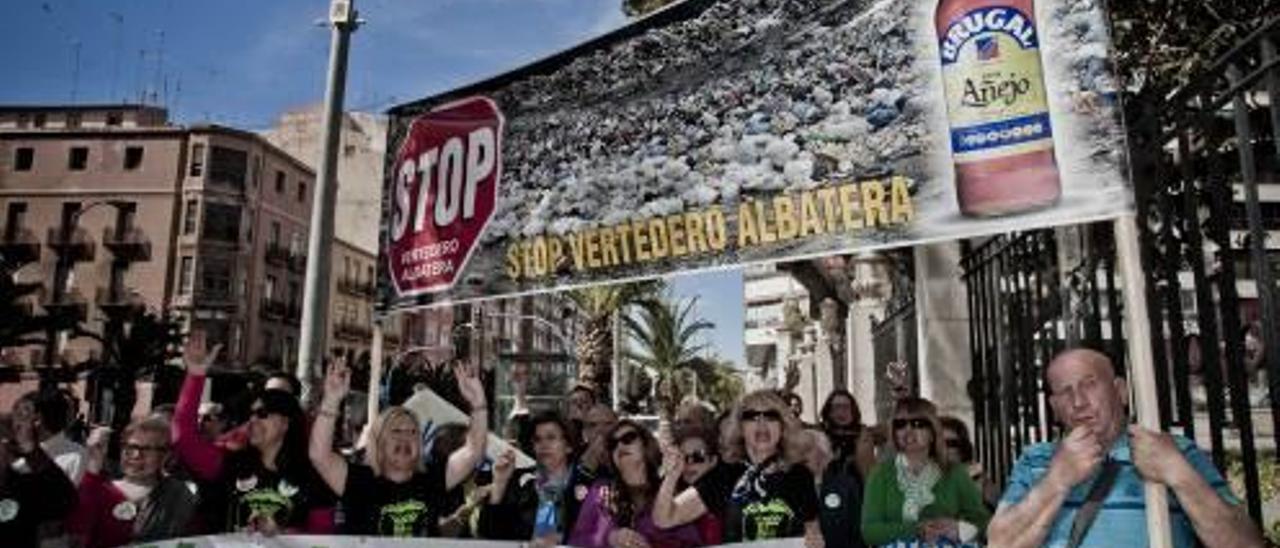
x: 378, y: 506
x: 786, y: 501
x: 252, y: 491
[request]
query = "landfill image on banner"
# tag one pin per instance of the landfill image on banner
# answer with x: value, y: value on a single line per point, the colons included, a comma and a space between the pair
x: 717, y: 133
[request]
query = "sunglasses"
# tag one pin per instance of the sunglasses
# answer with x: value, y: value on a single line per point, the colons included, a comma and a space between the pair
x: 918, y: 424
x: 750, y: 415
x: 135, y: 449
x: 697, y: 457
x: 261, y: 413
x: 626, y: 439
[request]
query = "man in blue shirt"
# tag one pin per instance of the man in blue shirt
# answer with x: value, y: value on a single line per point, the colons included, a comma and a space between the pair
x: 1050, y: 482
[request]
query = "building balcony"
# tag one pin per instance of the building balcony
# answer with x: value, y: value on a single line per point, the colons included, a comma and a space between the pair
x: 350, y: 332
x: 20, y: 247
x: 293, y: 315
x: 124, y: 303
x: 72, y: 307
x: 297, y: 263
x: 277, y: 255
x: 273, y: 310
x: 357, y: 289
x: 74, y: 245
x: 129, y: 245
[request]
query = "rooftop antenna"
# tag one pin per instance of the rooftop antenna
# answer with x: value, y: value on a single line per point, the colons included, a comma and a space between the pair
x: 141, y: 81
x: 159, y: 69
x: 115, y: 66
x: 75, y: 70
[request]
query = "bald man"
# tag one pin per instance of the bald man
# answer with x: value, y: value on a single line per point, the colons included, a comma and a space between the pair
x: 1051, y: 481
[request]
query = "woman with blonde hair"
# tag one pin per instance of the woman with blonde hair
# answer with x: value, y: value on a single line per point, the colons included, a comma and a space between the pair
x: 391, y: 494
x: 770, y: 495
x: 920, y: 495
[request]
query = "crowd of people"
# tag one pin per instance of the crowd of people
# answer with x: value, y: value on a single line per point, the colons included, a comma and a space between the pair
x: 752, y: 472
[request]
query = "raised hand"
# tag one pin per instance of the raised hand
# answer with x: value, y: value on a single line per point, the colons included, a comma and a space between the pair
x: 672, y: 462
x: 627, y: 538
x: 95, y: 449
x: 196, y: 356
x: 337, y: 383
x: 503, y: 468
x: 1078, y: 456
x: 468, y: 377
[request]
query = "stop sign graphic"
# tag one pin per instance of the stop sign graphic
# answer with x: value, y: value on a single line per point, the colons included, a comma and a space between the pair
x: 446, y: 186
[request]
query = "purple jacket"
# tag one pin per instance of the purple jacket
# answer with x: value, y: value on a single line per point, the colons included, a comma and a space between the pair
x: 594, y: 525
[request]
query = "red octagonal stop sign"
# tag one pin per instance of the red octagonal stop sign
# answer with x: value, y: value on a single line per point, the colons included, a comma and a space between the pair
x: 446, y: 186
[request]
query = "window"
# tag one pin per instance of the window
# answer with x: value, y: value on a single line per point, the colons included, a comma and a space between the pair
x: 255, y: 171
x: 73, y: 120
x: 186, y: 275
x: 15, y: 219
x: 294, y: 293
x: 269, y: 288
x: 23, y: 158
x: 197, y: 160
x: 275, y: 234
x: 222, y: 222
x: 114, y: 118
x: 279, y: 182
x: 215, y: 279
x: 132, y: 158
x: 189, y: 216
x: 302, y: 191
x: 24, y: 120
x: 78, y: 158
x: 228, y: 165
x: 268, y: 346
x: 40, y: 120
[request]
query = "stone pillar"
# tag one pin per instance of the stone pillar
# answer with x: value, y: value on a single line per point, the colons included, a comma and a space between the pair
x: 942, y: 314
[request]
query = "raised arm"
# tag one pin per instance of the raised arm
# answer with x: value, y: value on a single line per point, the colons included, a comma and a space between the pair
x: 330, y: 465
x: 1217, y: 522
x: 463, y: 461
x: 1026, y: 523
x: 669, y: 508
x: 203, y: 458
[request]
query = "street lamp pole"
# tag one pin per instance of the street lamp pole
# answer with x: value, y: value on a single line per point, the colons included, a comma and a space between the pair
x: 315, y: 304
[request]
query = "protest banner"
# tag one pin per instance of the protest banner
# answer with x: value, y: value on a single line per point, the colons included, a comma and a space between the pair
x: 714, y: 134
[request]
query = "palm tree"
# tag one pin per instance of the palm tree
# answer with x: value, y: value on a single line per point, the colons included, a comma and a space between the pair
x: 598, y: 306
x: 663, y: 339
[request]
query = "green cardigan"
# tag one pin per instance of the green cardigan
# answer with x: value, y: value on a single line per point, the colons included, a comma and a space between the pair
x: 954, y: 496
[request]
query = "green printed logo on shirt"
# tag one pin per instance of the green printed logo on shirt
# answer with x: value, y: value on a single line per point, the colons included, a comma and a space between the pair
x: 766, y: 520
x: 401, y: 519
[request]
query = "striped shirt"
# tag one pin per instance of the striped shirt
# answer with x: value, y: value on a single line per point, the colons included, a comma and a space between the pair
x: 1121, y: 521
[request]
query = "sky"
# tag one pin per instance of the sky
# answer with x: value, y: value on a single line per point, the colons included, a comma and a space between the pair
x: 244, y: 63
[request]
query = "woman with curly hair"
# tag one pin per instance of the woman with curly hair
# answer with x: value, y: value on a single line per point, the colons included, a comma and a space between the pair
x: 771, y: 495
x: 618, y: 511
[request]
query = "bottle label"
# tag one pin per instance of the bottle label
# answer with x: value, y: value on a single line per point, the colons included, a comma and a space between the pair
x: 994, y: 84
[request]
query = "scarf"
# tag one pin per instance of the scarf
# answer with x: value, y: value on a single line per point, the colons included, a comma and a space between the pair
x: 551, y: 493
x: 751, y: 486
x: 917, y: 489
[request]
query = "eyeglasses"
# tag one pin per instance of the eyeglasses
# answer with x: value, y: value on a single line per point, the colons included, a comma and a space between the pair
x: 917, y: 423
x: 261, y: 413
x: 750, y: 415
x: 697, y: 457
x: 135, y: 449
x: 626, y: 439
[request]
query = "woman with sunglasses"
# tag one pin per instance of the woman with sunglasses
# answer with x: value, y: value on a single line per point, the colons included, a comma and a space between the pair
x: 144, y: 504
x: 268, y: 486
x: 538, y: 503
x: 920, y: 495
x: 771, y: 497
x: 617, y: 511
x: 391, y: 495
x: 698, y: 446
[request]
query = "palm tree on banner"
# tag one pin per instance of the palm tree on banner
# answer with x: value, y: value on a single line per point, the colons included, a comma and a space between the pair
x: 662, y: 341
x: 598, y: 306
